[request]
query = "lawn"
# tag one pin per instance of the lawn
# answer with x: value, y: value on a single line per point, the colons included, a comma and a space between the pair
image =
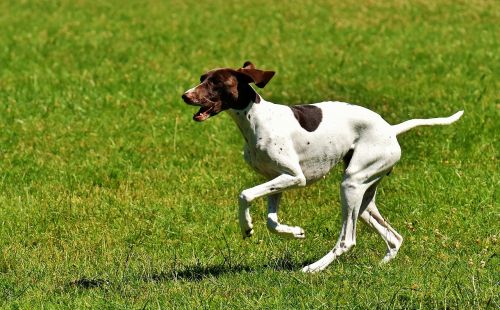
x: 112, y: 197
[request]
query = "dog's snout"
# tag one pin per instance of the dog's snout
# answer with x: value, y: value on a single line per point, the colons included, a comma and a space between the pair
x: 187, y: 98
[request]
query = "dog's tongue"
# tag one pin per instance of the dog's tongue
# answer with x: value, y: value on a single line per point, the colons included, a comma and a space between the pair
x: 202, y: 114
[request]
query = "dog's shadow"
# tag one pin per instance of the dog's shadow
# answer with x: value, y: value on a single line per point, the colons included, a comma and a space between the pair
x: 198, y: 272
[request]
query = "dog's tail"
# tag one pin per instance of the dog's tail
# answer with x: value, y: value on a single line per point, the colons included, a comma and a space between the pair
x: 405, y: 126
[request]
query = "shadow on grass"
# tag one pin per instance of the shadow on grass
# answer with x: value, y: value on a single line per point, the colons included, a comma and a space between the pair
x: 198, y: 272
x: 88, y: 283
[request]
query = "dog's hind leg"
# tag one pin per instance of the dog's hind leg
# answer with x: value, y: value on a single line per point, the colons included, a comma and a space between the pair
x: 272, y: 220
x: 366, y: 168
x: 352, y: 197
x: 392, y: 239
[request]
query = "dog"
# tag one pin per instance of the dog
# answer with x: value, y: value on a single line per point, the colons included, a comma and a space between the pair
x: 294, y: 146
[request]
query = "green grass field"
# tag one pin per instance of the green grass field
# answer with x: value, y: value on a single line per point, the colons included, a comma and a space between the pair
x: 112, y: 197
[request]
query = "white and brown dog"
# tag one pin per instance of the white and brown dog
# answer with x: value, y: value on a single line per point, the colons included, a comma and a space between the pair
x: 295, y: 146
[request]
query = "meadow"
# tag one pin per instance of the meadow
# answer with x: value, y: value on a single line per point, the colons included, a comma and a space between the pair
x: 112, y: 197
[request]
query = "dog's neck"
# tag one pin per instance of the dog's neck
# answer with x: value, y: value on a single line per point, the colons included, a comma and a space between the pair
x: 246, y: 118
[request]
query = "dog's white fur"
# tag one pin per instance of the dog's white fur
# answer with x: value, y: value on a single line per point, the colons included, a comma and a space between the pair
x: 279, y: 148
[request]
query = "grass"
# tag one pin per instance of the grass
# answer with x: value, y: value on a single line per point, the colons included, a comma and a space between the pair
x: 111, y: 197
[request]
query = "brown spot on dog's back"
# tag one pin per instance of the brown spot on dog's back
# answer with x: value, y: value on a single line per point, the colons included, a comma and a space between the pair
x: 308, y: 116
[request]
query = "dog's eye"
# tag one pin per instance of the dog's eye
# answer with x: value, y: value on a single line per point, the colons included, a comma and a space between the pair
x: 213, y: 80
x: 203, y: 78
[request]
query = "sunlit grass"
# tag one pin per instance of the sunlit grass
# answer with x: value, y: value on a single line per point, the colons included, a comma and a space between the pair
x: 111, y: 196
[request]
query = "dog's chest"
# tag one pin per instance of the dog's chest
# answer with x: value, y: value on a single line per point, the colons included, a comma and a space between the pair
x: 276, y: 143
x: 272, y: 155
x: 259, y: 153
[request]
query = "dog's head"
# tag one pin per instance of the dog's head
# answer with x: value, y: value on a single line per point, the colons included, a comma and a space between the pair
x: 222, y: 89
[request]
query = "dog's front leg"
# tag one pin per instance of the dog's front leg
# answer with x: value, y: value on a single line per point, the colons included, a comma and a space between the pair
x: 276, y: 185
x: 275, y: 226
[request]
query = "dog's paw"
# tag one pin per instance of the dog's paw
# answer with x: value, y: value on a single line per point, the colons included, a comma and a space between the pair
x: 312, y: 269
x: 247, y: 233
x: 389, y: 256
x: 290, y: 231
x: 298, y: 232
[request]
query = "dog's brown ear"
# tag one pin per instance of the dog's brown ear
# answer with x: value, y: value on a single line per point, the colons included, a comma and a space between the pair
x: 248, y: 65
x: 253, y: 75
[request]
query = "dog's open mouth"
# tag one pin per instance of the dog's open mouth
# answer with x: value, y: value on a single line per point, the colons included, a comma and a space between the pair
x: 203, y: 114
